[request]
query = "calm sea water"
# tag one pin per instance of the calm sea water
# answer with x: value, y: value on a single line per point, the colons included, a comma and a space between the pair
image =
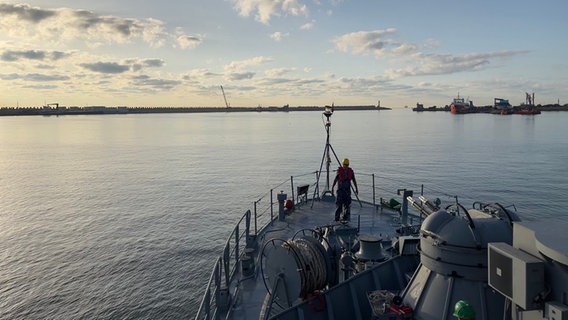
x: 120, y: 217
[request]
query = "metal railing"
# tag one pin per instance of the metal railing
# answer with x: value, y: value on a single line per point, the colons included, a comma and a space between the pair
x: 217, y: 297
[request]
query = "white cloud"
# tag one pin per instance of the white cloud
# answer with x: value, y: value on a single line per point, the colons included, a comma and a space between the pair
x: 201, y: 73
x: 239, y: 70
x: 21, y: 21
x: 264, y: 10
x: 404, y: 49
x: 39, y: 55
x: 279, y: 72
x: 277, y: 36
x: 243, y: 64
x: 364, y: 42
x: 308, y: 26
x: 437, y: 64
x: 188, y: 42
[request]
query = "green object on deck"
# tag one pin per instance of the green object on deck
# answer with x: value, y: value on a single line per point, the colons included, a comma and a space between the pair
x: 392, y: 204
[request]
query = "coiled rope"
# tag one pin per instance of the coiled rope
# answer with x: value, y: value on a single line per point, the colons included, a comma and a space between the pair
x: 311, y: 264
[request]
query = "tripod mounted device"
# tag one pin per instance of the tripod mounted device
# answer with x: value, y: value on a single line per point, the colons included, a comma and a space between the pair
x: 327, y: 194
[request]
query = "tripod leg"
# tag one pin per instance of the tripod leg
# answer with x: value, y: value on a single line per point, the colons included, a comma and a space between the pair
x: 334, y: 154
x: 316, y: 189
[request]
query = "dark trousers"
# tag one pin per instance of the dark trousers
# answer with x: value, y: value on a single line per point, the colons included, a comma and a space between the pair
x: 343, y: 201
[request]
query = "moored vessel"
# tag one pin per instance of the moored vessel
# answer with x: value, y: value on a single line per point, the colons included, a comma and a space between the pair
x: 460, y: 106
x: 527, y: 108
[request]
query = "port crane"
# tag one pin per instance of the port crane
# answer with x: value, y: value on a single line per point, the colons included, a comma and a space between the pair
x: 529, y: 98
x: 224, y: 97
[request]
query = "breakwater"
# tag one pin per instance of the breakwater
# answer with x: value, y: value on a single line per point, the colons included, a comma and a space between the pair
x: 62, y: 110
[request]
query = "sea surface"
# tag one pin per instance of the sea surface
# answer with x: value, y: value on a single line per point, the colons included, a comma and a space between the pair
x: 121, y: 216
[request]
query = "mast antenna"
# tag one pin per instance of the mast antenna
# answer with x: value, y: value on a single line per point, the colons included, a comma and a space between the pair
x: 327, y: 194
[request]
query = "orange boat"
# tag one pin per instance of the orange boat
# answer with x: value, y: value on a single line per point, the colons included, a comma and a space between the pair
x: 459, y: 106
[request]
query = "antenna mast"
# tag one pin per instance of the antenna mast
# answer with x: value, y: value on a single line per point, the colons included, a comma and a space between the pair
x: 327, y: 192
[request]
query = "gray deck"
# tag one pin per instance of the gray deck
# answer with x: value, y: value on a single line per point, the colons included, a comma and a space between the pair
x: 371, y: 220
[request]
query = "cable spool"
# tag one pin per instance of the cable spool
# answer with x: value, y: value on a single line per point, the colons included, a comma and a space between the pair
x: 311, y: 264
x: 301, y: 263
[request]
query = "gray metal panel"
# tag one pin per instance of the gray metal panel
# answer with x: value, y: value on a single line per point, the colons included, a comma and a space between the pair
x: 349, y: 299
x: 516, y: 274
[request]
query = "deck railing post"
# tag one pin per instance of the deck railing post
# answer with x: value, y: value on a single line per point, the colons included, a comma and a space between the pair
x: 271, y: 205
x: 292, y: 188
x: 217, y: 289
x: 237, y: 233
x: 316, y: 188
x: 255, y: 220
x: 226, y: 259
x: 374, y: 202
x: 247, y: 227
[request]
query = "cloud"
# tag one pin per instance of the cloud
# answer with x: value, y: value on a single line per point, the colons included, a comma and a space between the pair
x: 364, y: 42
x: 153, y: 62
x: 25, y: 12
x: 277, y: 36
x: 40, y: 55
x: 240, y: 75
x: 243, y: 64
x: 126, y: 65
x: 41, y: 87
x: 188, y: 42
x: 238, y: 70
x: 106, y: 67
x: 277, y: 72
x: 43, y: 77
x: 139, y: 64
x: 274, y: 81
x: 381, y: 44
x: 263, y: 10
x: 159, y: 84
x: 308, y: 26
x: 404, y: 49
x: 437, y: 64
x: 60, y: 25
x: 35, y: 77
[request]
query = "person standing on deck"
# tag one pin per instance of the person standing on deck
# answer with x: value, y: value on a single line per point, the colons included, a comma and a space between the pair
x: 343, y: 179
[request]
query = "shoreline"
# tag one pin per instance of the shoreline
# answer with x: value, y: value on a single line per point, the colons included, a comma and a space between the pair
x: 62, y: 110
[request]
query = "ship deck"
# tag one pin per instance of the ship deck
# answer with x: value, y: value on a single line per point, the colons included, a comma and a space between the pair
x: 366, y: 218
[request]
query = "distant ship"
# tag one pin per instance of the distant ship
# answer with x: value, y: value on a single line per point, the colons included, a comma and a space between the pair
x: 460, y: 106
x: 528, y: 108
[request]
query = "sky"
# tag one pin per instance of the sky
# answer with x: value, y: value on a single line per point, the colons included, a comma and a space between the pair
x: 275, y: 52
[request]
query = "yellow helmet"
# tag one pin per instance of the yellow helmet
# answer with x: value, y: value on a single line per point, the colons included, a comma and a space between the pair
x: 346, y: 161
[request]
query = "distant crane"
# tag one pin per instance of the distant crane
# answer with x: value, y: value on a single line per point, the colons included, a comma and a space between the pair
x: 529, y: 98
x: 224, y: 97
